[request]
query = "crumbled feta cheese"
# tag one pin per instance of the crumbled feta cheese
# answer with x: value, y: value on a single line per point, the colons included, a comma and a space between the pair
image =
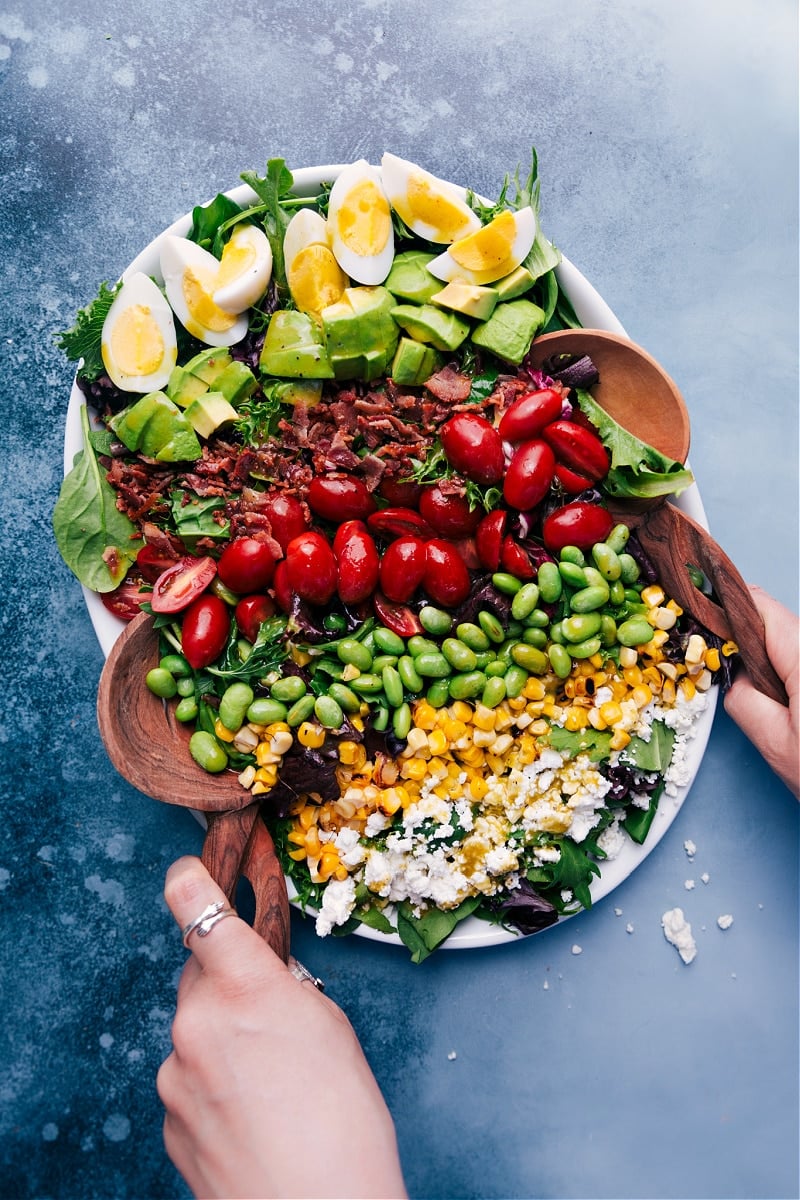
x: 348, y: 843
x: 705, y: 877
x: 690, y: 847
x: 688, y: 884
x: 452, y: 1056
x: 576, y: 949
x: 725, y: 921
x: 629, y: 928
x: 612, y: 840
x: 678, y: 933
x: 376, y: 823
x: 338, y: 901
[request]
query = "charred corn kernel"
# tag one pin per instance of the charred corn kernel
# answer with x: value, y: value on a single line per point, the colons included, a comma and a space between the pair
x: 483, y: 737
x: 712, y: 658
x: 653, y: 595
x: 247, y: 777
x: 628, y: 657
x: 576, y: 718
x: 350, y: 753
x: 437, y: 741
x: 485, y: 718
x: 537, y: 728
x: 611, y: 712
x: 391, y: 799
x: 417, y: 740
x: 245, y: 740
x: 662, y: 618
x: 668, y: 669
x: 425, y: 715
x: 502, y: 744
x: 281, y: 741
x: 688, y: 688
x: 268, y: 775
x: 414, y: 768
x: 516, y: 703
x: 534, y: 689
x: 641, y: 695
x: 460, y: 711
x: 308, y: 816
x: 311, y: 735
x: 703, y: 681
x: 632, y: 676
x: 222, y: 733
x: 729, y: 648
x: 595, y: 719
x: 619, y: 739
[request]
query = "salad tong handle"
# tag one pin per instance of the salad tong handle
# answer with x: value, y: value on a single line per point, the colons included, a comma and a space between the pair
x: 675, y: 542
x: 238, y: 844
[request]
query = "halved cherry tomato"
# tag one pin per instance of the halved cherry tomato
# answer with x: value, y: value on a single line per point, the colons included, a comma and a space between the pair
x: 401, y: 619
x: 571, y: 481
x: 180, y: 584
x: 287, y: 517
x: 515, y: 560
x: 579, y: 523
x: 340, y: 499
x: 577, y: 448
x: 246, y: 565
x: 468, y: 550
x: 527, y: 417
x: 446, y: 579
x: 448, y: 513
x: 357, y: 562
x: 398, y: 522
x: 281, y: 587
x: 311, y: 567
x: 151, y: 561
x: 489, y: 538
x: 529, y: 475
x: 127, y: 599
x: 402, y: 568
x: 400, y: 493
x: 251, y: 612
x: 204, y: 630
x: 474, y: 447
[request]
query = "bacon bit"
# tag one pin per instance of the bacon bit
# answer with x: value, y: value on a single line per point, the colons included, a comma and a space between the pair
x: 450, y: 386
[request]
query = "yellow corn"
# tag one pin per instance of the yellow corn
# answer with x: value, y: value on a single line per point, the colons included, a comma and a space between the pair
x: 437, y: 741
x: 352, y: 754
x: 712, y: 658
x: 425, y: 716
x: 311, y: 735
x: 460, y: 711
x: 222, y: 733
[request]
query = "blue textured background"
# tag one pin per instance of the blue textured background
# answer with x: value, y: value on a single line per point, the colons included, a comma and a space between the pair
x: 667, y: 139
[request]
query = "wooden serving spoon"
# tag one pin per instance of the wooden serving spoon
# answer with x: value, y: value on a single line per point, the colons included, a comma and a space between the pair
x: 641, y: 397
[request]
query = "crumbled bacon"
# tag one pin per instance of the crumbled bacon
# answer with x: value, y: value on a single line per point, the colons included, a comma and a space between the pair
x: 450, y: 386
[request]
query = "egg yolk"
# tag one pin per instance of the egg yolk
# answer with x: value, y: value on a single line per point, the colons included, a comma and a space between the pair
x: 316, y: 279
x: 136, y: 343
x: 238, y: 256
x: 489, y: 247
x: 197, y: 291
x: 425, y: 204
x: 364, y: 219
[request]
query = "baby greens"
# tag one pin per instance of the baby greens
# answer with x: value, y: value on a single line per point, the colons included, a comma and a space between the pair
x: 637, y: 470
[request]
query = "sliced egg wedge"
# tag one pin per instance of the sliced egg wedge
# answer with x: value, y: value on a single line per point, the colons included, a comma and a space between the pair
x: 430, y: 207
x: 360, y: 224
x: 493, y: 251
x: 190, y: 277
x: 314, y: 276
x: 138, y: 342
x: 245, y: 269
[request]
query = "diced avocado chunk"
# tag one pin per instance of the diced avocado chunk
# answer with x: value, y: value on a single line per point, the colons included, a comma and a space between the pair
x: 209, y: 363
x: 409, y: 279
x: 414, y: 363
x: 183, y: 387
x: 181, y: 447
x: 300, y: 391
x: 435, y: 326
x: 510, y: 330
x: 294, y: 347
x: 208, y: 412
x: 156, y: 427
x: 236, y: 382
x: 360, y: 335
x: 467, y: 299
x: 515, y: 284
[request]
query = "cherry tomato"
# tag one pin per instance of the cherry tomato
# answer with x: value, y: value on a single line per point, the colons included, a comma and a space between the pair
x: 474, y: 447
x: 468, y: 549
x: 340, y: 499
x: 281, y: 587
x: 446, y: 578
x: 311, y: 567
x: 251, y: 613
x: 577, y: 448
x: 529, y: 475
x: 246, y: 565
x: 287, y: 517
x: 571, y: 481
x: 402, y: 568
x: 397, y: 522
x: 151, y: 562
x: 401, y: 619
x: 204, y: 630
x: 127, y: 599
x: 448, y: 513
x: 489, y: 538
x: 578, y: 524
x: 356, y: 562
x: 180, y: 584
x: 400, y: 493
x: 527, y: 417
x: 515, y: 560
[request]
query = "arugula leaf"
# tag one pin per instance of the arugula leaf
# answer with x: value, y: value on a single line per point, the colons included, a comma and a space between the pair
x: 267, y: 652
x: 636, y: 469
x: 97, y: 541
x: 573, y: 871
x: 422, y: 934
x: 274, y: 189
x: 543, y: 256
x: 83, y: 340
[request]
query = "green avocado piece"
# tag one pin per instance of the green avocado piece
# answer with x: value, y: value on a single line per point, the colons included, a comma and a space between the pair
x: 183, y: 387
x: 236, y: 382
x: 435, y: 326
x: 294, y: 347
x: 360, y: 334
x: 300, y: 391
x: 467, y: 299
x: 510, y: 330
x: 208, y: 412
x: 153, y: 423
x: 414, y: 363
x: 183, y: 446
x: 409, y: 278
x: 515, y: 284
x: 209, y: 363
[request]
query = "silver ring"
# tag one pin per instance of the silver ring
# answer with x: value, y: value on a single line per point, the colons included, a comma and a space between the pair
x: 302, y: 973
x: 208, y: 918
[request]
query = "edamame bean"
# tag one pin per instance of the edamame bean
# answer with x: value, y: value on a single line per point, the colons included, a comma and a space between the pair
x: 616, y: 593
x: 207, y: 752
x: 608, y: 630
x: 176, y: 664
x: 572, y: 554
x: 347, y: 700
x: 435, y: 621
x: 161, y: 683
x: 556, y: 633
x: 572, y: 574
x: 496, y: 669
x: 334, y: 623
x: 588, y: 599
x: 460, y: 657
x: 186, y: 709
x: 607, y: 561
x: 388, y: 641
x: 594, y: 578
x: 535, y: 637
x: 419, y: 645
x: 438, y: 694
x: 560, y: 660
x: 217, y: 587
x: 549, y: 578
x: 380, y: 719
x: 355, y: 654
x: 236, y: 699
x: 618, y: 538
x: 525, y: 601
x: 412, y: 680
x: 629, y: 569
x: 288, y: 689
x: 491, y: 626
x: 515, y: 679
x: 529, y: 657
x: 580, y: 626
x: 243, y: 649
x: 328, y: 712
x: 401, y: 721
x: 367, y: 684
x: 584, y: 649
x: 483, y: 658
x: 635, y: 631
x: 185, y: 685
x: 494, y: 692
x: 473, y: 636
x: 392, y: 686
x: 265, y: 711
x: 467, y: 685
x: 538, y: 619
x: 509, y: 585
x: 432, y: 665
x: 383, y: 660
x: 301, y: 710
x: 695, y: 574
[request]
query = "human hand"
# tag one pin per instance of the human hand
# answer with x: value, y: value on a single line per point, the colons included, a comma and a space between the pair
x: 267, y: 1091
x: 771, y: 727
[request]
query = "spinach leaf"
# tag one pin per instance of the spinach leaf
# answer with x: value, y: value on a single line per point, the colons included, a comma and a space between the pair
x: 573, y: 871
x: 97, y: 541
x: 652, y: 755
x: 207, y: 222
x: 594, y: 742
x: 638, y: 821
x: 195, y: 518
x: 82, y: 341
x: 422, y: 934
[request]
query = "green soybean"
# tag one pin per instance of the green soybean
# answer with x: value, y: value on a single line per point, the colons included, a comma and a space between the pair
x: 496, y: 669
x: 529, y: 657
x: 608, y: 630
x: 491, y: 626
x: 207, y: 752
x: 328, y: 712
x: 186, y: 709
x: 176, y: 664
x: 580, y: 626
x: 345, y: 697
x: 420, y: 645
x: 435, y: 620
x: 334, y: 623
x: 185, y: 685
x: 367, y: 684
x: 607, y: 561
x: 217, y: 587
x: 161, y: 683
x: 556, y: 633
x: 244, y: 649
x: 695, y: 574
x: 473, y: 636
x: 572, y: 574
x: 483, y: 658
x: 467, y: 685
x: 381, y: 661
x: 380, y: 718
x: 401, y: 721
x: 594, y: 578
x: 265, y: 711
x: 616, y: 593
x: 460, y: 657
x: 288, y: 689
x: 635, y: 631
x: 301, y: 710
x: 494, y: 692
x: 560, y: 660
x: 618, y: 538
x: 388, y: 641
x: 515, y: 679
x: 535, y: 637
x: 549, y: 579
x: 432, y: 665
x: 438, y: 694
x: 509, y: 585
x: 234, y: 704
x: 354, y: 654
x: 629, y: 568
x: 538, y: 619
x: 572, y: 554
x: 586, y: 648
x: 412, y: 680
x: 588, y: 599
x: 392, y: 686
x: 525, y: 601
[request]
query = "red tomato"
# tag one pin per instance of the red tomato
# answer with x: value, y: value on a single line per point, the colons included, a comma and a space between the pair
x: 401, y: 619
x: 402, y: 568
x: 402, y: 494
x: 287, y: 517
x: 577, y: 448
x: 340, y: 499
x: 397, y: 522
x: 527, y: 417
x: 251, y: 613
x: 204, y: 631
x: 180, y: 584
x: 474, y: 447
x: 127, y: 599
x: 151, y: 562
x: 578, y: 524
x: 489, y: 538
x: 356, y: 562
x: 515, y: 560
x: 246, y: 565
x: 448, y: 513
x: 529, y: 475
x: 281, y: 587
x: 311, y: 567
x: 571, y: 481
x: 446, y: 579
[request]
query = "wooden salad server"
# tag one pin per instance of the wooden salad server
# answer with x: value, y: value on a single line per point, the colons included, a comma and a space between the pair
x: 641, y: 397
x: 150, y: 749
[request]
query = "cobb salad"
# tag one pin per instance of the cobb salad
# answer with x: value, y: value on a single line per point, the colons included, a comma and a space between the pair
x: 378, y: 548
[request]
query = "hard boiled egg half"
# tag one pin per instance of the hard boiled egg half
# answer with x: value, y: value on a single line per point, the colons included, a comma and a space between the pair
x: 191, y: 276
x: 493, y: 251
x: 314, y: 276
x: 360, y: 224
x: 245, y: 269
x: 138, y: 343
x: 430, y: 207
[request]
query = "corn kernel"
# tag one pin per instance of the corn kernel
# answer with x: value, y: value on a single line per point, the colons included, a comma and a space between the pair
x: 712, y: 658
x: 391, y: 799
x: 619, y: 739
x: 688, y: 687
x: 668, y: 692
x: 222, y: 733
x: 534, y: 689
x: 281, y: 742
x: 662, y: 618
x: 703, y: 681
x: 575, y: 719
x: 478, y: 787
x: 311, y: 735
x: 460, y: 711
x: 297, y: 855
x: 245, y: 740
x: 484, y: 717
x: 414, y: 768
x: 265, y: 756
x: 595, y: 719
x: 729, y: 648
x: 247, y: 777
x: 653, y: 595
x: 268, y: 775
x: 437, y: 742
x: 628, y: 656
x: 417, y: 740
x: 483, y: 737
x: 425, y: 715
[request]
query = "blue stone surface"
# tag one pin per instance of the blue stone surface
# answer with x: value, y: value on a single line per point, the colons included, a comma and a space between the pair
x: 667, y: 143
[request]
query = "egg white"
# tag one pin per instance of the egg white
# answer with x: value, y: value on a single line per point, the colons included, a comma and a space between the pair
x: 245, y: 269
x: 360, y: 224
x: 138, y: 342
x: 494, y: 251
x: 190, y: 274
x: 314, y: 276
x: 430, y: 207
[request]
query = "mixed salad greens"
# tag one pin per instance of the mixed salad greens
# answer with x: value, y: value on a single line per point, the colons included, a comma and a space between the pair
x: 377, y: 547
